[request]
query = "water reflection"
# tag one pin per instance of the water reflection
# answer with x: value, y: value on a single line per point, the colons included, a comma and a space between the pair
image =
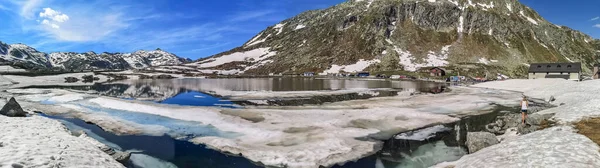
x: 193, y: 92
x: 283, y: 84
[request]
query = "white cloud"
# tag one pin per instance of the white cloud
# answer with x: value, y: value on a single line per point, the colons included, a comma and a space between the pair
x: 249, y: 15
x: 597, y: 26
x: 54, y: 15
x: 53, y: 25
x: 28, y: 7
x: 596, y: 18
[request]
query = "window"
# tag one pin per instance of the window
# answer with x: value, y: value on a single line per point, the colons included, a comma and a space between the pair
x: 548, y: 66
x: 558, y: 66
x: 539, y: 66
x: 568, y: 66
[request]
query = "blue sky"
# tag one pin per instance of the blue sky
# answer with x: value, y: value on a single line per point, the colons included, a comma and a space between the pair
x: 190, y: 28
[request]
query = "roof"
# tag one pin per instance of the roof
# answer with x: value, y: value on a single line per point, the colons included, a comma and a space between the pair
x: 555, y: 67
x: 437, y: 68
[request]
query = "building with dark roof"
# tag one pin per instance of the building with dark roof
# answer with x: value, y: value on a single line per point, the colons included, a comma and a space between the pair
x: 569, y: 71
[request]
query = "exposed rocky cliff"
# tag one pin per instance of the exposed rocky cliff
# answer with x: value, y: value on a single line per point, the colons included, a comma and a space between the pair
x: 380, y: 35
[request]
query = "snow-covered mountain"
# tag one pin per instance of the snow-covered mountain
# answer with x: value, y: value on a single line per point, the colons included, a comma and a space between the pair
x: 23, y: 55
x: 29, y: 58
x: 387, y: 35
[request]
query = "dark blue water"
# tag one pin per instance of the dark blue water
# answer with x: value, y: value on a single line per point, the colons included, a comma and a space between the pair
x: 194, y: 98
x: 181, y: 153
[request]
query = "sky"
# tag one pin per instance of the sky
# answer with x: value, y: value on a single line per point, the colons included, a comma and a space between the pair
x: 190, y: 28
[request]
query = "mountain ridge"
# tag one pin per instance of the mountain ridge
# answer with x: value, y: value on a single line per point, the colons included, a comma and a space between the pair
x: 28, y: 57
x: 372, y: 35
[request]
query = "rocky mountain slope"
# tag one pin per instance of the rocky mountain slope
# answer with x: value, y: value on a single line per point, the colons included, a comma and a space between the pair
x: 29, y: 58
x: 384, y: 35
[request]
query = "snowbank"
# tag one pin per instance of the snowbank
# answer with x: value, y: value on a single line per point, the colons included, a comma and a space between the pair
x: 40, y: 142
x: 555, y: 147
x: 576, y: 100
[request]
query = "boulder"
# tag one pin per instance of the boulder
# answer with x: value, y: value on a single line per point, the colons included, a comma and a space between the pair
x: 479, y: 140
x: 88, y: 78
x: 163, y: 76
x: 71, y: 79
x: 120, y: 156
x: 13, y: 109
x: 145, y: 77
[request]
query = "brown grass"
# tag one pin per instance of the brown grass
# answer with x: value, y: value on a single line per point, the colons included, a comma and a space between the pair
x: 545, y: 124
x: 590, y: 128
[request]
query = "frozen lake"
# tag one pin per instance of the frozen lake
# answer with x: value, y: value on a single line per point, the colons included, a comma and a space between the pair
x: 147, y: 116
x: 219, y: 92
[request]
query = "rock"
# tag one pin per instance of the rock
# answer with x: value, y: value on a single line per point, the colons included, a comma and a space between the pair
x: 16, y: 165
x: 71, y: 80
x: 551, y: 99
x: 479, y: 140
x: 13, y: 109
x: 122, y: 157
x: 119, y: 156
x: 162, y: 77
x: 145, y: 77
x: 526, y: 129
x: 89, y: 78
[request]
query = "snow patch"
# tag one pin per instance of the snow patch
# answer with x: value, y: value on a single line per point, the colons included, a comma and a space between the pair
x: 509, y: 7
x: 258, y: 41
x: 460, y: 24
x: 357, y: 67
x: 484, y: 61
x: 486, y: 6
x: 528, y: 18
x: 255, y: 55
x: 455, y: 2
x: 433, y: 59
x: 300, y: 26
x: 491, y: 32
x: 279, y: 28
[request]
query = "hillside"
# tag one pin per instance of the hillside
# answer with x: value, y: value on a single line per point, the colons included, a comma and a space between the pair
x: 382, y: 35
